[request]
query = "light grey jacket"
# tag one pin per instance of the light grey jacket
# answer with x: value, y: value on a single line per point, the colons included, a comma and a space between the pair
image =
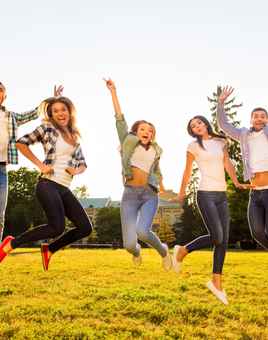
x: 239, y: 134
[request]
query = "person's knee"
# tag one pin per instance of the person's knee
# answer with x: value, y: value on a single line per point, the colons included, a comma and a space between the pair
x: 143, y: 235
x: 57, y: 229
x: 217, y: 240
x: 86, y: 229
x: 130, y: 246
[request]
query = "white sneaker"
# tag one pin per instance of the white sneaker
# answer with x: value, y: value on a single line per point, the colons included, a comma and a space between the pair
x: 176, y: 264
x: 167, y: 260
x: 137, y: 260
x: 221, y: 295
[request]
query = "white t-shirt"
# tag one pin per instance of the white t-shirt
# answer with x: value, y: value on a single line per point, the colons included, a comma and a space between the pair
x: 210, y: 163
x: 62, y: 156
x: 4, y: 136
x: 258, y: 151
x: 142, y: 158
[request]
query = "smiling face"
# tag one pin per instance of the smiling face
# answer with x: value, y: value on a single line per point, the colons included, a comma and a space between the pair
x: 259, y: 119
x: 145, y: 133
x: 60, y: 114
x: 198, y: 127
x: 2, y: 93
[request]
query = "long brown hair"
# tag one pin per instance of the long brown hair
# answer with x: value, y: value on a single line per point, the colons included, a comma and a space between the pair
x: 209, y: 128
x: 45, y: 109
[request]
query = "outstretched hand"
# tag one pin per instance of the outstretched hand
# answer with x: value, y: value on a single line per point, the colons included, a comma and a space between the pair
x: 58, y: 91
x: 225, y: 93
x: 110, y: 84
x: 244, y: 186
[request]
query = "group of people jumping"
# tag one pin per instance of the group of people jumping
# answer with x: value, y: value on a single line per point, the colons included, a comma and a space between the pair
x: 143, y: 180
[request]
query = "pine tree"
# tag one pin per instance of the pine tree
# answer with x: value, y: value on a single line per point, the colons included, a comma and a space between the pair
x: 166, y: 232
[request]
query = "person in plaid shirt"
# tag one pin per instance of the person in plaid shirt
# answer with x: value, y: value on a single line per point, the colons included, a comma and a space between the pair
x: 9, y: 123
x: 63, y: 159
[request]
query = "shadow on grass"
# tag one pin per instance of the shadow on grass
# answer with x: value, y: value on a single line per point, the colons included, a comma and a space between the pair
x: 24, y: 252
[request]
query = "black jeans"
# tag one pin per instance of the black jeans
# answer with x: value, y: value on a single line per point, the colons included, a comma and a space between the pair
x: 258, y: 216
x: 57, y: 202
x: 214, y: 211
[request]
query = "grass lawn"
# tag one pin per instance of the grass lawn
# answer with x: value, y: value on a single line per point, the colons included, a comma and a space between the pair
x: 98, y: 294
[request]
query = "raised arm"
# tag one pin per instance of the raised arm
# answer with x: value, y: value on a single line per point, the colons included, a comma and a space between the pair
x: 121, y: 125
x: 186, y: 176
x: 230, y: 169
x: 222, y: 118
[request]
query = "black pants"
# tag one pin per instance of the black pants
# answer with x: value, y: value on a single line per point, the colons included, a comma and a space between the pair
x: 57, y: 202
x: 214, y: 211
x: 258, y: 216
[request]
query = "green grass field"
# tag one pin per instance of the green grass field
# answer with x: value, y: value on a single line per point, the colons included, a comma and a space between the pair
x: 98, y: 294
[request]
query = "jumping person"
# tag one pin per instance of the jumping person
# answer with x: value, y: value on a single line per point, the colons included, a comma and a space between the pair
x: 254, y: 149
x: 9, y: 122
x: 210, y: 153
x: 142, y: 179
x: 63, y: 160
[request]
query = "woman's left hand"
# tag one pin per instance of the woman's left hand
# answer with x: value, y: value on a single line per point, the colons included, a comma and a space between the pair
x: 244, y: 186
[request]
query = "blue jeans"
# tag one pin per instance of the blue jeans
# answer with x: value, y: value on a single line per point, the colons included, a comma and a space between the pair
x: 214, y: 211
x: 138, y: 207
x: 3, y: 196
x: 258, y: 216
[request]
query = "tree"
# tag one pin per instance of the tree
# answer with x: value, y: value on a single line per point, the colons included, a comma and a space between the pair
x: 23, y: 209
x: 81, y: 192
x: 166, y: 232
x: 108, y: 225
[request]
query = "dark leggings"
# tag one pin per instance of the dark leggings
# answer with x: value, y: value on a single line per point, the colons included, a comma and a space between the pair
x: 258, y: 216
x: 57, y: 202
x: 214, y: 211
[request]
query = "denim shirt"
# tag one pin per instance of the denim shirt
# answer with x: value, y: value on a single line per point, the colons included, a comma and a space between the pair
x: 240, y: 135
x: 129, y: 142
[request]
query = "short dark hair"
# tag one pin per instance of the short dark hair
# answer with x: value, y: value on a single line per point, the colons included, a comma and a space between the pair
x: 259, y: 109
x: 1, y: 84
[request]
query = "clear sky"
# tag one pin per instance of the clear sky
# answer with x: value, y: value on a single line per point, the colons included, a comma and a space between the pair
x: 164, y: 56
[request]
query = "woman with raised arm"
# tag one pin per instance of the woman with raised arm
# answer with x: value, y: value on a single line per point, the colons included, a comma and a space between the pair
x: 254, y: 149
x: 142, y: 179
x: 63, y: 159
x: 210, y: 153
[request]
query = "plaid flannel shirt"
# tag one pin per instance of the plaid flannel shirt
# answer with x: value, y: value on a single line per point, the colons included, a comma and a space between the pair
x: 14, y: 121
x: 47, y: 134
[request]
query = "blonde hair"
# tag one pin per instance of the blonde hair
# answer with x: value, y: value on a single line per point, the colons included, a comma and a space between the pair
x: 45, y: 111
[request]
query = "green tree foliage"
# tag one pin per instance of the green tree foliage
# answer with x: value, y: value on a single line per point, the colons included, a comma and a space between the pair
x: 81, y: 192
x: 166, y: 232
x: 108, y: 225
x: 23, y: 209
x: 191, y: 224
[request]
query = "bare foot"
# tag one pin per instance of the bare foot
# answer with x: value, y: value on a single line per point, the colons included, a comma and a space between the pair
x: 217, y: 281
x: 181, y: 253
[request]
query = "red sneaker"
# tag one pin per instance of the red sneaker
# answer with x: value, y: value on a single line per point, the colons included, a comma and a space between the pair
x: 2, y: 245
x: 44, y: 254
